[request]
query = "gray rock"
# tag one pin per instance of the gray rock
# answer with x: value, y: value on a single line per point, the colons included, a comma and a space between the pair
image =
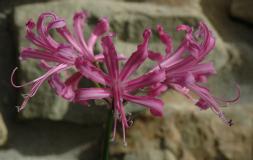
x: 3, y: 131
x: 242, y: 9
x: 8, y: 61
x: 187, y: 133
x: 43, y: 139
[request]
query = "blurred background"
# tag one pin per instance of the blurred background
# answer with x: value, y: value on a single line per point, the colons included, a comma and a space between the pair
x: 52, y: 129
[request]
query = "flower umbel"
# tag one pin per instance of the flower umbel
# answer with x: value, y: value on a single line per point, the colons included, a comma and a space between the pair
x: 185, y: 69
x: 182, y: 69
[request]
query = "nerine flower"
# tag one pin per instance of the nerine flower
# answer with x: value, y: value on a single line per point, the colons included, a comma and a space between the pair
x: 62, y: 54
x: 185, y: 69
x: 181, y: 69
x: 118, y: 84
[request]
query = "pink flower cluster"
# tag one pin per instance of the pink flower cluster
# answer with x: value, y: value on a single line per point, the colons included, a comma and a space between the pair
x: 181, y: 69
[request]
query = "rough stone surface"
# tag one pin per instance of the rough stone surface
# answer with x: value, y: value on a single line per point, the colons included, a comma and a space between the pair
x: 187, y: 133
x: 183, y: 134
x: 7, y: 64
x: 169, y: 2
x: 242, y: 9
x: 3, y: 131
x: 41, y: 139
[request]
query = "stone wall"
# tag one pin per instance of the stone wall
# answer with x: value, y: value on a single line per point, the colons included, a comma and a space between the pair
x: 50, y: 128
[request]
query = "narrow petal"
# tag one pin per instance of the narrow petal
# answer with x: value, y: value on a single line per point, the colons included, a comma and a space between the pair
x: 166, y: 39
x: 39, y: 81
x: 202, y: 104
x: 145, y: 81
x: 66, y: 52
x: 30, y: 35
x: 209, y: 100
x: 155, y: 56
x: 100, y: 57
x: 91, y: 72
x: 59, y: 23
x: 208, y: 42
x: 118, y: 105
x: 43, y: 30
x: 43, y: 55
x: 101, y: 28
x: 198, y: 50
x: 85, y: 94
x: 157, y: 89
x: 70, y: 38
x: 233, y: 100
x: 155, y: 105
x: 79, y: 22
x: 137, y: 58
x: 192, y: 45
x: 65, y: 89
x: 110, y: 57
x: 199, y: 71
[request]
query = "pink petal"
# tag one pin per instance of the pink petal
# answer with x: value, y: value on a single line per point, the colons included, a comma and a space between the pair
x: 66, y: 52
x: 66, y: 34
x: 155, y: 56
x: 145, y: 81
x: 91, y: 72
x: 198, y: 71
x: 198, y: 50
x: 166, y: 39
x: 70, y: 38
x: 35, y: 84
x: 101, y: 28
x: 208, y: 40
x: 202, y: 104
x: 137, y: 58
x: 59, y: 23
x: 118, y: 106
x: 79, y: 22
x: 43, y: 55
x: 157, y: 89
x: 155, y: 105
x: 110, y: 57
x: 85, y: 94
x: 32, y: 37
x: 100, y: 57
x: 67, y: 89
x: 43, y: 30
x: 205, y: 95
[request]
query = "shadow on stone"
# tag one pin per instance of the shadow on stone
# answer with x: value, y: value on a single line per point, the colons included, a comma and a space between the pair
x: 42, y: 137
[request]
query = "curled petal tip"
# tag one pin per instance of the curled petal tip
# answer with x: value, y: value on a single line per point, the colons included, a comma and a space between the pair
x: 156, y: 113
x: 30, y: 24
x: 238, y: 94
x: 101, y: 27
x: 81, y: 15
x: 12, y: 75
x: 59, y: 23
x: 202, y: 24
x: 147, y: 33
x: 159, y: 28
x: 106, y: 39
x: 184, y: 28
x: 203, y: 105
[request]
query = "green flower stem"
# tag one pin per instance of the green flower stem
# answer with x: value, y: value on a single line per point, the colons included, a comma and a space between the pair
x: 107, y: 137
